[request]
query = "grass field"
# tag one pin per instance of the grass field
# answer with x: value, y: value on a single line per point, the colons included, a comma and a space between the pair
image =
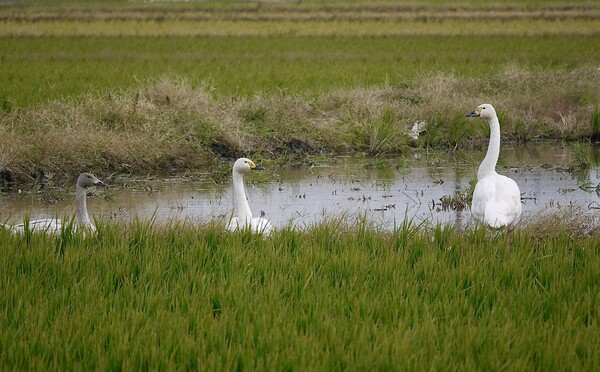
x: 55, y: 50
x: 253, y: 78
x: 333, y: 297
x: 77, y: 68
x: 139, y: 88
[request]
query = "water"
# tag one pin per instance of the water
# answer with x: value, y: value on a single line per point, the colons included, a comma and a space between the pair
x: 343, y: 186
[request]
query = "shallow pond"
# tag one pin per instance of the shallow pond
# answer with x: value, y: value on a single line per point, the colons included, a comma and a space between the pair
x: 420, y: 188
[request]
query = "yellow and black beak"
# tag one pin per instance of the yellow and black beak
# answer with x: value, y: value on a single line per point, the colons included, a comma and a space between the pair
x: 474, y: 114
x: 255, y: 167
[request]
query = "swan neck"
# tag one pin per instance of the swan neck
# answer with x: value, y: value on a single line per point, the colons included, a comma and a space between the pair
x: 83, y: 219
x: 488, y: 165
x: 241, y: 208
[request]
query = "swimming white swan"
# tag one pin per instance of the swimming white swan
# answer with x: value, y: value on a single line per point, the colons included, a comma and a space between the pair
x: 242, y: 216
x: 82, y: 219
x: 497, y: 198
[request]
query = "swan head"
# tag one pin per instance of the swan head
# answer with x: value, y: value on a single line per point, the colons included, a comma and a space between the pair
x: 243, y: 165
x: 88, y: 180
x: 485, y: 111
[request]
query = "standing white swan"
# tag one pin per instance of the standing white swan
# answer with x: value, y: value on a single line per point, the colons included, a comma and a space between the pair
x: 82, y: 219
x: 497, y: 198
x: 242, y: 216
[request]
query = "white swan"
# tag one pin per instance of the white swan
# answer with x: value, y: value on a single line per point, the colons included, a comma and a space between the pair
x: 242, y: 216
x: 82, y: 219
x: 497, y: 198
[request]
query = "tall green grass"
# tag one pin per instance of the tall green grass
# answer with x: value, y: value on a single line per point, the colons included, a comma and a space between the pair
x: 334, y: 296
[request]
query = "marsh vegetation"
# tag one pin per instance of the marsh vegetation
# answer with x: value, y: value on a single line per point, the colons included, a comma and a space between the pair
x: 170, y: 126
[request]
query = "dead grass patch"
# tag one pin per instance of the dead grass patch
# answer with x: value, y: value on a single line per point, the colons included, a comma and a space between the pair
x: 575, y: 222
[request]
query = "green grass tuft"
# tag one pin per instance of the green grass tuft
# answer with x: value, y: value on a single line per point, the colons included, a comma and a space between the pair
x: 581, y: 160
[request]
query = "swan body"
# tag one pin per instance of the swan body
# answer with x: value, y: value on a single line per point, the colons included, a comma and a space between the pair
x: 82, y: 219
x: 242, y: 215
x: 256, y: 224
x: 496, y: 198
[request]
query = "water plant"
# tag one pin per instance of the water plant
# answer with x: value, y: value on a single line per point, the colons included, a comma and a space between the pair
x: 580, y: 161
x: 595, y: 124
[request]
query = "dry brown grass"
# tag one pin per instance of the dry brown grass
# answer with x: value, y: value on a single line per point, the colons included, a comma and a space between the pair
x: 576, y: 222
x: 298, y: 12
x: 167, y: 125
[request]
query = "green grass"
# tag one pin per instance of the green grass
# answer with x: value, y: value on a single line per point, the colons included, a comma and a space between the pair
x: 58, y: 49
x: 39, y: 69
x: 331, y: 297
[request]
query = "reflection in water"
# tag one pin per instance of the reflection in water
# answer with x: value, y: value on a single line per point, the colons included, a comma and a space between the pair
x: 386, y: 196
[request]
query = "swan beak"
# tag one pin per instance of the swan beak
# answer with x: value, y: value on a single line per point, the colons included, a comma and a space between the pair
x: 254, y: 166
x: 474, y: 114
x: 100, y: 183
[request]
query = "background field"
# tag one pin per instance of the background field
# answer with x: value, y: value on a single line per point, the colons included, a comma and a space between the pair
x: 38, y: 69
x: 154, y: 87
x: 66, y: 49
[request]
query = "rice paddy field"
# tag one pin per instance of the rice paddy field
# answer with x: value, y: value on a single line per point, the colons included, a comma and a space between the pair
x: 38, y: 69
x: 182, y: 88
x: 51, y: 52
x: 335, y: 297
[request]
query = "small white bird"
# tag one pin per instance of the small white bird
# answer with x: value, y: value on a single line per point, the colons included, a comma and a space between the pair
x: 82, y: 219
x: 496, y: 198
x: 242, y: 216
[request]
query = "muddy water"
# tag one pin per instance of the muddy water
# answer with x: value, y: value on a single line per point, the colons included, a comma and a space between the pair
x: 386, y: 193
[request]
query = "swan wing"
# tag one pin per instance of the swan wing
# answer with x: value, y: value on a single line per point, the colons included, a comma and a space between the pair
x: 50, y: 226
